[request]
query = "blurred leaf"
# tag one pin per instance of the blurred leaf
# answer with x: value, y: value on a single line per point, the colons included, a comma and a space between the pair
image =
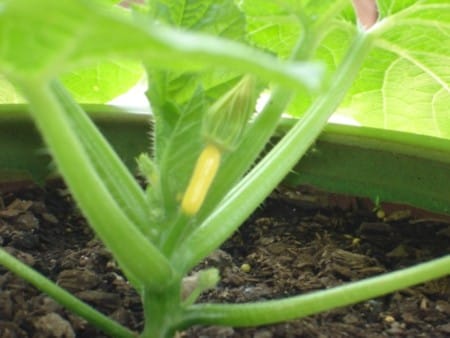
x: 76, y: 33
x: 273, y: 25
x: 405, y: 82
x: 96, y: 84
x: 220, y: 18
x: 102, y: 82
x: 9, y: 94
x: 277, y: 26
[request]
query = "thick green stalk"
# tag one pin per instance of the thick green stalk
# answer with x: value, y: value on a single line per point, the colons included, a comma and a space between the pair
x: 264, y: 126
x: 116, y: 177
x: 162, y: 312
x: 139, y: 259
x: 252, y: 190
x: 23, y: 155
x: 238, y: 162
x: 234, y: 166
x: 267, y: 312
x: 260, y: 131
x: 65, y: 298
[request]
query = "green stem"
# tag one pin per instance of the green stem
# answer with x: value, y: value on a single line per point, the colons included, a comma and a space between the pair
x: 260, y: 131
x: 263, y: 313
x: 252, y: 190
x: 139, y: 259
x: 238, y: 162
x: 116, y: 177
x: 63, y: 297
x: 181, y: 226
x: 162, y: 312
x: 323, y: 20
x: 265, y: 124
x: 22, y: 153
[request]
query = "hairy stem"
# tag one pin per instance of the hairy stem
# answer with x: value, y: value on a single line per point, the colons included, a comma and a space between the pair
x: 116, y: 177
x: 139, y: 259
x: 260, y: 131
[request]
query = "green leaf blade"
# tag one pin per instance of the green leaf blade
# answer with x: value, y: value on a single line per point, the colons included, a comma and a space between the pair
x: 272, y: 25
x: 103, y: 81
x: 405, y: 83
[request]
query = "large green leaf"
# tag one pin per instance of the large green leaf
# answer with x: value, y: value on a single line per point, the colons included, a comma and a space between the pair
x: 273, y: 25
x: 74, y: 33
x: 405, y: 82
x: 218, y: 18
x: 331, y: 52
x: 277, y: 26
x: 102, y: 81
x: 99, y: 83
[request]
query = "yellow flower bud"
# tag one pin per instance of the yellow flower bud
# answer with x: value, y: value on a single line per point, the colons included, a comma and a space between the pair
x: 204, y: 172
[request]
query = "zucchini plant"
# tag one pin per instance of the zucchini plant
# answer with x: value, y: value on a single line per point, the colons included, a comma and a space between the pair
x: 206, y: 62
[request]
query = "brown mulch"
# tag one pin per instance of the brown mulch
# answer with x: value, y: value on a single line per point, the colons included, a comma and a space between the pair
x: 294, y: 243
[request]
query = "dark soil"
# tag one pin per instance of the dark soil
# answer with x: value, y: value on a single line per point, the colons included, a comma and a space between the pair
x: 296, y: 242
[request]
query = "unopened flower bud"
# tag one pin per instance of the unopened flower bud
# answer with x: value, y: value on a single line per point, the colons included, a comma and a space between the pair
x: 204, y: 172
x: 226, y: 120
